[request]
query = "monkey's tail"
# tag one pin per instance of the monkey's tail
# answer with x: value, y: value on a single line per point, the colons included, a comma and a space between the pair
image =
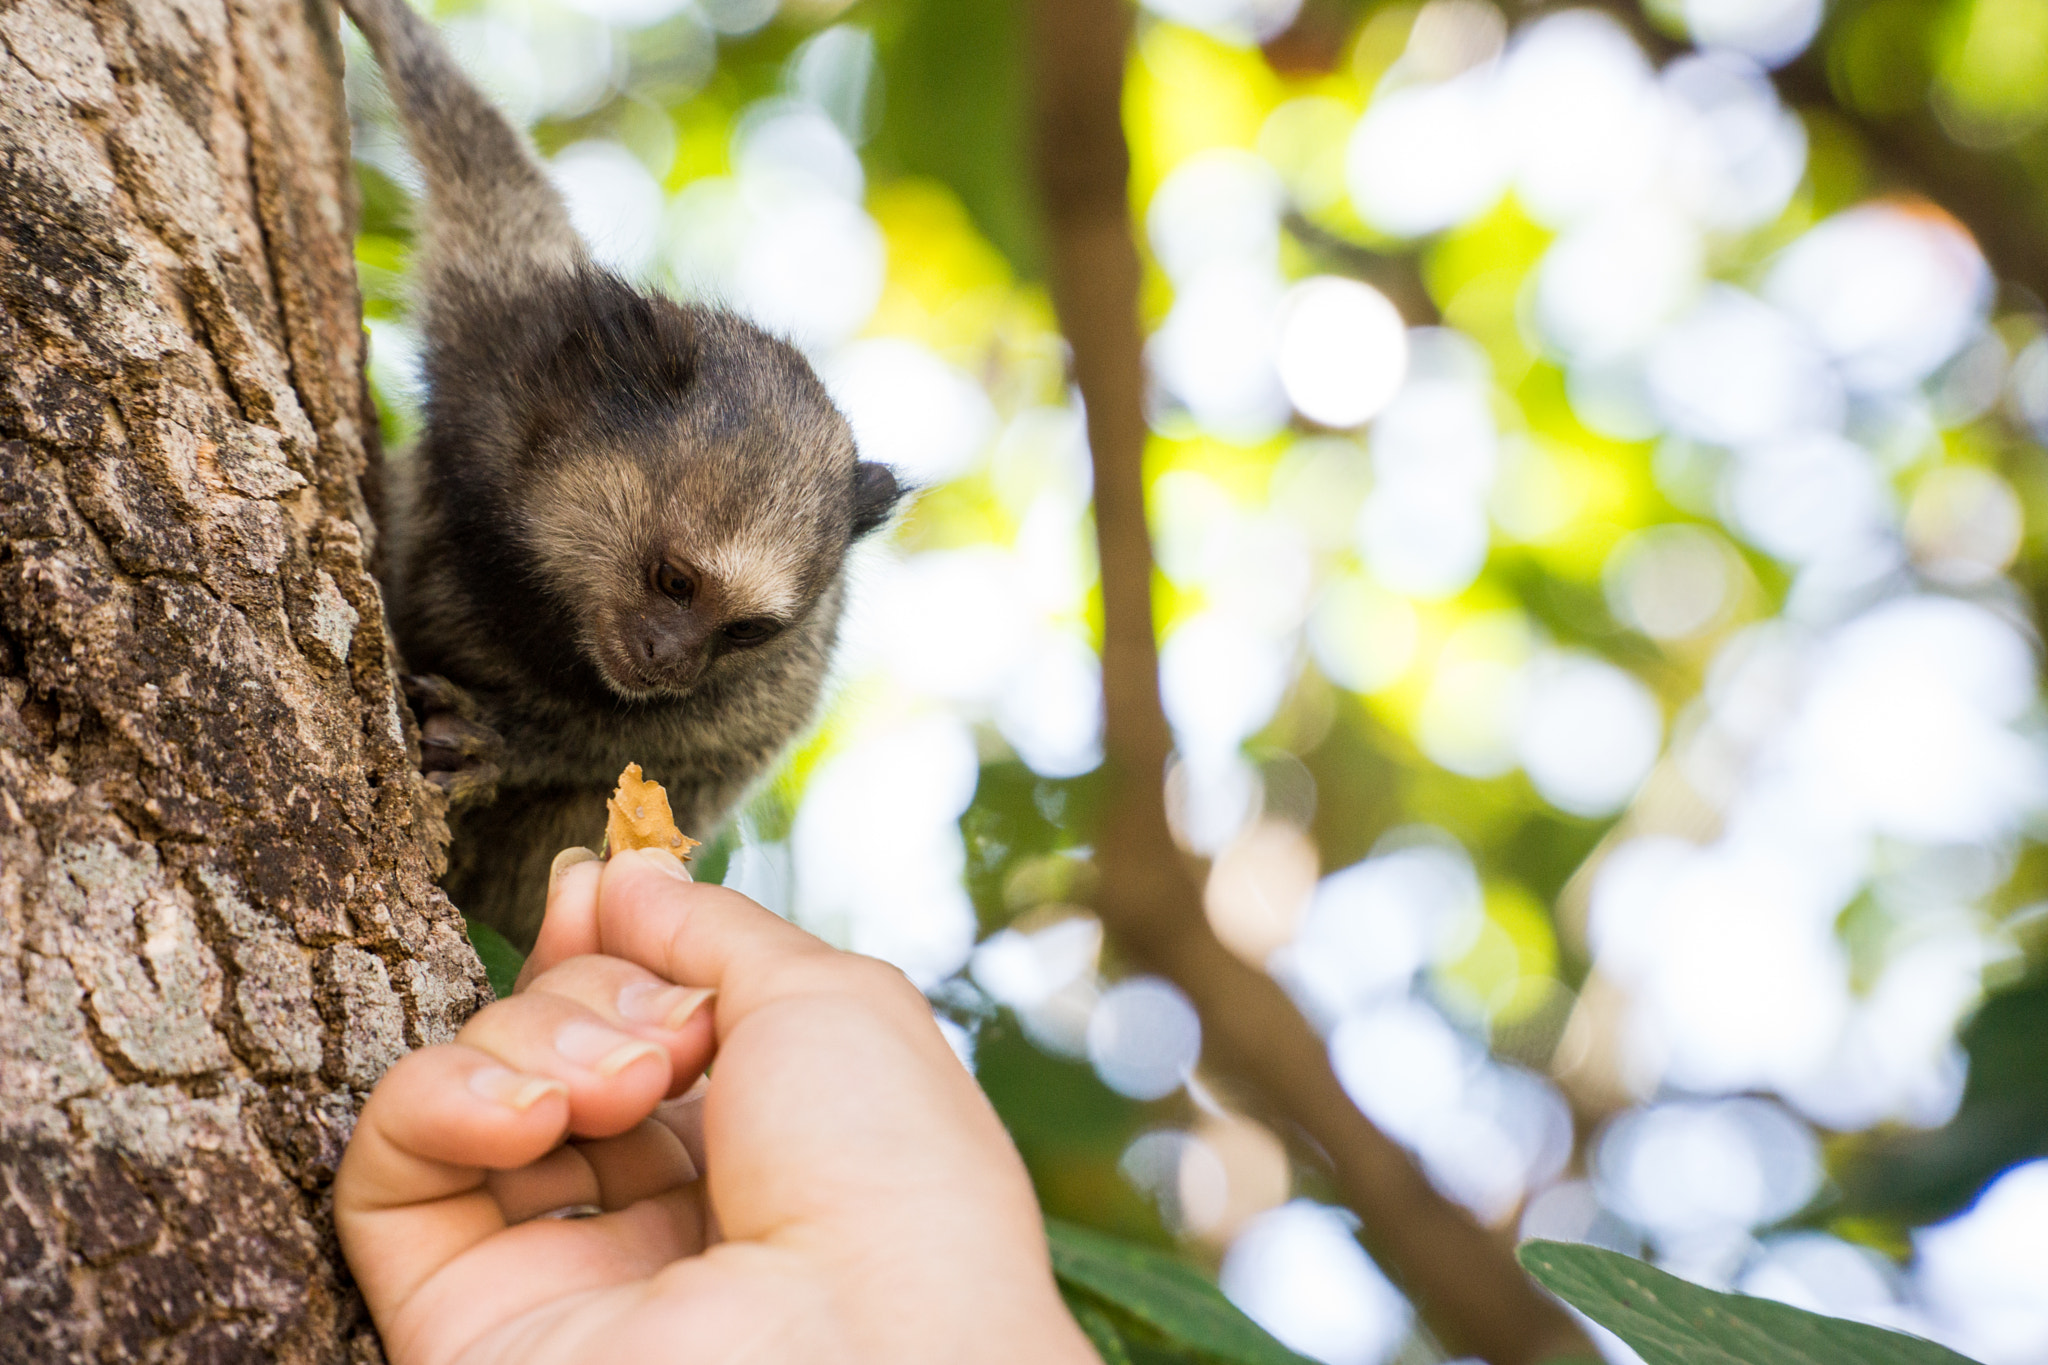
x: 491, y: 214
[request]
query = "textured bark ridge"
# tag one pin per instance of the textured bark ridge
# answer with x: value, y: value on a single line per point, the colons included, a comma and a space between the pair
x: 217, y: 917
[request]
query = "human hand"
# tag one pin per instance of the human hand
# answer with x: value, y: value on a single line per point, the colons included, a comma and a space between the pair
x: 859, y: 1200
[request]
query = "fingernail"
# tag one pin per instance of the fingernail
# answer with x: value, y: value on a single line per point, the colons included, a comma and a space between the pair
x: 603, y: 1050
x: 567, y: 859
x: 502, y: 1086
x: 665, y: 861
x: 669, y: 1007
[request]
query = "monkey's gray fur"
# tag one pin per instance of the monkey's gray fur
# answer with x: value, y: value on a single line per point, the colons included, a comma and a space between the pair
x: 626, y: 526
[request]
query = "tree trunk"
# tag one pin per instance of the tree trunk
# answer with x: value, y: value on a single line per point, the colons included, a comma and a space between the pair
x: 218, y: 923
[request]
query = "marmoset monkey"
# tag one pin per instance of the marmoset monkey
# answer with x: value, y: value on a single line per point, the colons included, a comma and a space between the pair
x: 624, y: 532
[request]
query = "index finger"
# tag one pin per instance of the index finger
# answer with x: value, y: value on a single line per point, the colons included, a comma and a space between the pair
x: 568, y: 927
x: 699, y: 935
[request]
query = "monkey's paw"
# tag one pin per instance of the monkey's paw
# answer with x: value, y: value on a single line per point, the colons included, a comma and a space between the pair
x: 459, y: 753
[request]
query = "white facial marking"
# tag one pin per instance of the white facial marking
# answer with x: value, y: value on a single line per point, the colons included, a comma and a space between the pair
x: 761, y: 576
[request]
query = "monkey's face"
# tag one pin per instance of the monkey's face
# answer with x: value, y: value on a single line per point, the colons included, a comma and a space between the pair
x: 667, y: 586
x: 703, y: 609
x: 688, y: 529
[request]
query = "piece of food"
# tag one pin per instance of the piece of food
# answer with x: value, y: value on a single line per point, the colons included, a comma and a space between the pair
x: 639, y: 817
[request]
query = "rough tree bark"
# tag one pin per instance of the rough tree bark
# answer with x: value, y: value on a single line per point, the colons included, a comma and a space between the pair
x: 217, y: 917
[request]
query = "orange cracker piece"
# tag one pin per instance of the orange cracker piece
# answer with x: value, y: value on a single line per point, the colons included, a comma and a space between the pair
x: 638, y: 816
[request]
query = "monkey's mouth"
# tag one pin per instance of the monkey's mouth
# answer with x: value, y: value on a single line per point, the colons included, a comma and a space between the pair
x: 634, y: 678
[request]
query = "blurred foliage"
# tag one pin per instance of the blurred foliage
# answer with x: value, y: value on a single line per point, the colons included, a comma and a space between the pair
x: 954, y: 110
x: 1896, y: 1179
x: 1027, y: 839
x: 1070, y: 1129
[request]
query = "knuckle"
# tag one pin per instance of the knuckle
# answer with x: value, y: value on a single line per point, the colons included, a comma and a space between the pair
x: 567, y: 977
x: 884, y: 981
x: 502, y: 1016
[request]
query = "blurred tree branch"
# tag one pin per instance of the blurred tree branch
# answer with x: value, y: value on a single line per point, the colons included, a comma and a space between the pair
x: 1995, y: 195
x: 1394, y: 276
x: 1465, y: 1284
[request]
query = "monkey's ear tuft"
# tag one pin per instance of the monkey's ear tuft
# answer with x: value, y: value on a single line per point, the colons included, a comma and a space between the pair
x: 875, y: 495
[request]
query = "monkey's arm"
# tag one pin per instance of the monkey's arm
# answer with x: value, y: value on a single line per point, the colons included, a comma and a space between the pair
x: 492, y: 216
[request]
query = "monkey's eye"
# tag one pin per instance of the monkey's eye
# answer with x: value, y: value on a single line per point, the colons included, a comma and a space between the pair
x: 752, y: 631
x: 672, y: 582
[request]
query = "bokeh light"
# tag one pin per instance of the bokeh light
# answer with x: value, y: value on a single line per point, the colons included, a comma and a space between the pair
x: 1144, y: 1038
x: 1688, y: 1170
x: 1772, y: 31
x: 1342, y: 351
x: 1588, y: 735
x: 1298, y: 1272
x: 1986, y: 1272
x: 1671, y: 582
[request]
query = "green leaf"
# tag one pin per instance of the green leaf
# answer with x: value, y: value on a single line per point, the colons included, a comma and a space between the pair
x: 1671, y: 1322
x: 501, y: 960
x: 1162, y: 1293
x: 1098, y: 1327
x: 711, y: 862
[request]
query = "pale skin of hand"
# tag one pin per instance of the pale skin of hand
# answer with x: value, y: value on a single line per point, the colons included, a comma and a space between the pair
x: 860, y: 1202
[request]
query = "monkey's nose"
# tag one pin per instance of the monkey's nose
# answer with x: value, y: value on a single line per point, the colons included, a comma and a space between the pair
x: 668, y: 649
